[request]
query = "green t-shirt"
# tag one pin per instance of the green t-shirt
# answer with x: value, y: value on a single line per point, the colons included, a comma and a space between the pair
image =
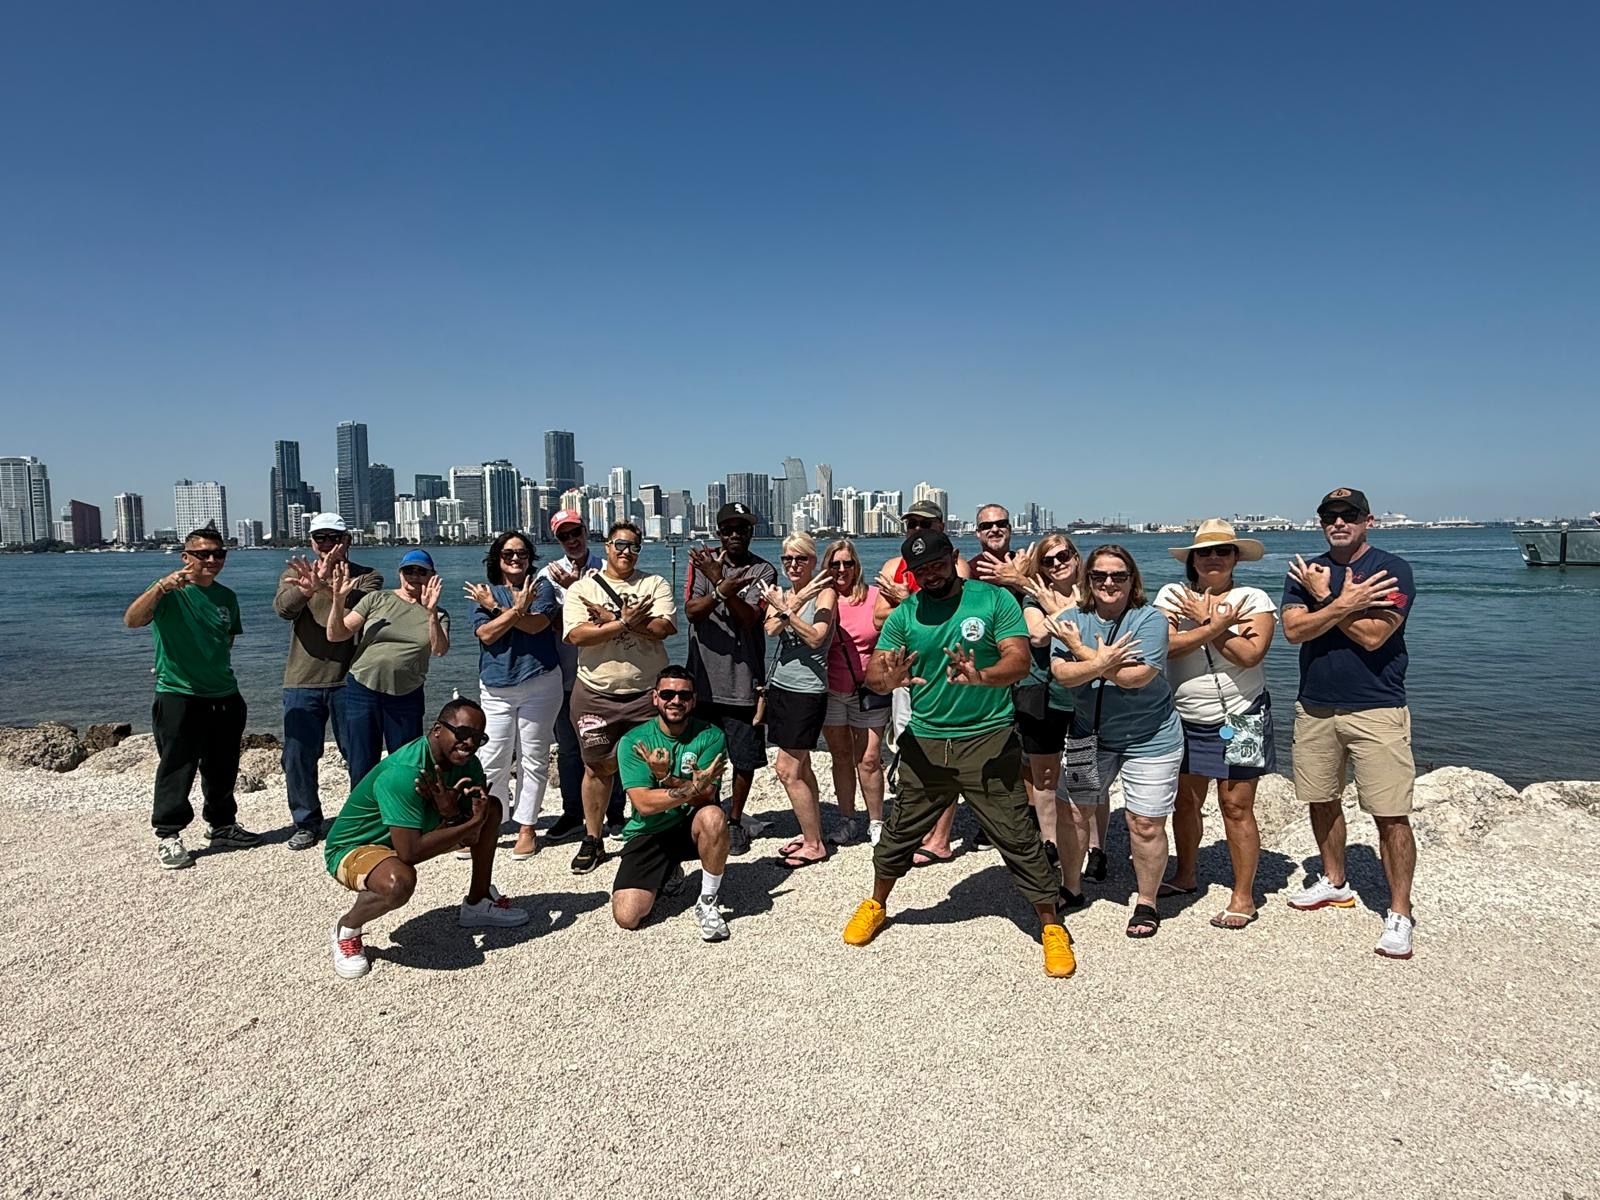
x: 194, y: 630
x: 978, y: 619
x: 699, y: 744
x: 395, y: 644
x: 388, y: 797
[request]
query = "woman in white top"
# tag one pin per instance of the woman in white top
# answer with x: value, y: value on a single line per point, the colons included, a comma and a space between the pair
x: 1220, y: 634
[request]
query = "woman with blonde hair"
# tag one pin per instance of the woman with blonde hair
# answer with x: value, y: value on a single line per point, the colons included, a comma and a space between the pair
x: 802, y: 619
x: 856, y: 717
x: 1044, y: 707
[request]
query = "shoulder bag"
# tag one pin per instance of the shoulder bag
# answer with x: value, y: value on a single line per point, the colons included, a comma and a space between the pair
x: 1245, y: 733
x: 870, y: 700
x: 1080, y: 757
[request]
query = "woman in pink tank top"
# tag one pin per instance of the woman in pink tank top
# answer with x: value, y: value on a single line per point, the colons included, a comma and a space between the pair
x: 854, y: 734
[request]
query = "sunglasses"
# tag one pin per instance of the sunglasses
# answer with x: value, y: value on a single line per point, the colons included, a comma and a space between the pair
x: 728, y: 530
x: 514, y: 556
x: 842, y: 564
x: 466, y: 734
x: 415, y: 572
x: 208, y: 555
x: 570, y: 532
x: 671, y: 694
x: 1333, y: 518
x: 1059, y: 559
x: 1110, y: 576
x: 985, y: 526
x: 1216, y: 551
x: 918, y: 523
x: 623, y: 547
x: 327, y: 538
x: 794, y: 560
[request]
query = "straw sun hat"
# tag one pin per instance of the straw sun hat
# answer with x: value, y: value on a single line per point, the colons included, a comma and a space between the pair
x: 1217, y: 532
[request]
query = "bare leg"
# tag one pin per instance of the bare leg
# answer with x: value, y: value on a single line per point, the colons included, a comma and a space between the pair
x: 1327, y: 826
x: 597, y: 794
x: 710, y: 831
x: 1042, y: 772
x: 389, y: 886
x: 1237, y: 798
x: 1186, y: 827
x: 938, y: 839
x: 1073, y: 824
x: 739, y: 792
x: 483, y: 862
x: 1398, y: 847
x: 843, y: 764
x: 867, y: 746
x: 1148, y: 838
x: 794, y: 772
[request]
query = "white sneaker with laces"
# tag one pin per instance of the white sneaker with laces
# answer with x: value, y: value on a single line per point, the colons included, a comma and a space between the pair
x: 349, y: 956
x: 712, y: 927
x: 1322, y: 894
x: 1396, y: 939
x: 874, y: 831
x: 493, y: 910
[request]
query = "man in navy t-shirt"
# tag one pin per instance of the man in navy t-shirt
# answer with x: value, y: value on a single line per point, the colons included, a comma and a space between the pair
x: 1346, y: 610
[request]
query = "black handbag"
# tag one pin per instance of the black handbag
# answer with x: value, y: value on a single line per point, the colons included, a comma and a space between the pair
x: 870, y: 700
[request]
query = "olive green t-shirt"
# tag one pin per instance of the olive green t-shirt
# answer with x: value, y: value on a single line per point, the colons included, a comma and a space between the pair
x: 394, y: 648
x: 388, y: 797
x: 979, y: 618
x: 194, y: 629
x: 701, y: 742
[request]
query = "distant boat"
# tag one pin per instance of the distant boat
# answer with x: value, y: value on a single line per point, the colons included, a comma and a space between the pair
x: 1563, y: 545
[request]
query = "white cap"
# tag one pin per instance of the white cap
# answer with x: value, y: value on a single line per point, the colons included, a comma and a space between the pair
x: 329, y: 520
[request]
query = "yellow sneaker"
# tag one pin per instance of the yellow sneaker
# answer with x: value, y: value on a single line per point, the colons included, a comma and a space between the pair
x: 1059, y: 961
x: 864, y: 926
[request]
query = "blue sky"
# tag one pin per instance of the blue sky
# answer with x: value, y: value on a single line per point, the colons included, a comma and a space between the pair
x: 1162, y: 260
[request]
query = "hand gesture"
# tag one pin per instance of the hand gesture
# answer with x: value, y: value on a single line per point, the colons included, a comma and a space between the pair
x: 706, y: 779
x: 480, y: 594
x: 1376, y: 591
x: 340, y: 582
x: 522, y: 598
x: 895, y: 593
x: 901, y: 663
x: 1004, y: 572
x: 814, y: 588
x: 708, y: 562
x: 561, y: 576
x: 306, y: 576
x: 431, y: 592
x: 1117, y: 654
x: 962, y: 668
x: 637, y: 614
x: 776, y: 599
x: 485, y: 809
x: 1315, y: 577
x: 597, y: 614
x: 658, y: 759
x: 176, y: 581
x: 444, y: 797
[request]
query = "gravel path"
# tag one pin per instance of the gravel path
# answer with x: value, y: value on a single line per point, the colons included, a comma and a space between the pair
x: 183, y: 1033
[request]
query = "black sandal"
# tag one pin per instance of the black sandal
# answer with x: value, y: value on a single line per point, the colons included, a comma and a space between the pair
x: 1095, y: 868
x: 1067, y: 902
x: 1144, y: 915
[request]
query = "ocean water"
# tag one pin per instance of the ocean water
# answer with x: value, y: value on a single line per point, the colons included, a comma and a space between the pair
x: 1504, y: 658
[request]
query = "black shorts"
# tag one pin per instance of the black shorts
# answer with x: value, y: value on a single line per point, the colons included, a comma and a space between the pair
x: 648, y: 858
x: 747, y: 747
x: 1046, y: 734
x: 794, y: 719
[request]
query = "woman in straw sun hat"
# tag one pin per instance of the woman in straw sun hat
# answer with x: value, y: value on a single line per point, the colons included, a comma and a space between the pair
x: 1219, y: 635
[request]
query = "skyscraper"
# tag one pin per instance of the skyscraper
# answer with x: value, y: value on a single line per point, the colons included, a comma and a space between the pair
x: 355, y: 484
x: 829, y: 517
x: 560, y: 459
x: 652, y: 500
x: 466, y: 485
x: 716, y: 497
x: 787, y: 490
x: 24, y: 500
x: 197, y: 505
x: 247, y: 532
x: 754, y: 491
x: 501, y: 481
x: 430, y: 487
x: 926, y: 491
x: 286, y: 485
x: 83, y: 523
x: 381, y: 479
x: 130, y: 518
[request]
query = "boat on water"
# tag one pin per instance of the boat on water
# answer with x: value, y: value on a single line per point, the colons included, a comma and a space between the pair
x: 1565, y: 544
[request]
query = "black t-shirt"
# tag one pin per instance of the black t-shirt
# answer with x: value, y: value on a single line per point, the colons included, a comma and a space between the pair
x: 1334, y: 671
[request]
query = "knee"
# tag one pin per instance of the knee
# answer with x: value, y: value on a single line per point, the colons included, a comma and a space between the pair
x: 398, y: 883
x: 710, y: 819
x: 870, y: 762
x: 788, y: 769
x: 627, y: 916
x: 1146, y: 829
x: 1237, y: 806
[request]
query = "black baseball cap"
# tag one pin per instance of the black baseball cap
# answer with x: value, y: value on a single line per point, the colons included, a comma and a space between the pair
x: 1345, y: 498
x: 736, y: 512
x: 924, y: 508
x: 925, y: 546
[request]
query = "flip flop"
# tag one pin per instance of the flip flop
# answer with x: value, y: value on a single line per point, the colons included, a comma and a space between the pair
x: 791, y: 862
x: 1245, y: 920
x: 1172, y: 889
x: 930, y: 857
x: 788, y: 849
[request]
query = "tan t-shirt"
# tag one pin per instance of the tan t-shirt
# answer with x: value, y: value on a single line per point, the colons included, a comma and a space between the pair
x: 626, y: 663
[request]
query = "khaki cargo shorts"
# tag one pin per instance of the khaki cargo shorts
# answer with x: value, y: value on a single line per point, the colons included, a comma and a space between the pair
x: 1376, y: 741
x: 358, y: 863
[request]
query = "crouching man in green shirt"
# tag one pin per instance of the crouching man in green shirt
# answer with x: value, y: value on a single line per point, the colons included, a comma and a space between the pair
x: 670, y: 768
x: 425, y: 799
x: 959, y: 645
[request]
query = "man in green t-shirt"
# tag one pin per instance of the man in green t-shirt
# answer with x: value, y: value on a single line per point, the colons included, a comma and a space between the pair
x: 198, y: 716
x: 425, y: 799
x: 959, y: 645
x: 670, y: 768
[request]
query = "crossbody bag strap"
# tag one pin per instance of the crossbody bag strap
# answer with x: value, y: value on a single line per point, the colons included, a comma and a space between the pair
x: 1100, y: 692
x: 610, y: 591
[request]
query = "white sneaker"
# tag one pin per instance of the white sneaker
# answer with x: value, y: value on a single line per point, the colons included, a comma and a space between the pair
x: 494, y: 909
x: 874, y: 831
x: 1396, y: 939
x: 464, y: 854
x: 846, y: 833
x: 1321, y: 894
x: 712, y: 927
x: 349, y: 956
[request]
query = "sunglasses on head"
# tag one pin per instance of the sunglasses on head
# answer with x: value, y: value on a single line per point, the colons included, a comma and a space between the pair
x: 985, y: 526
x: 1215, y: 551
x: 622, y: 546
x: 1110, y: 576
x: 466, y: 734
x: 670, y: 694
x: 207, y: 555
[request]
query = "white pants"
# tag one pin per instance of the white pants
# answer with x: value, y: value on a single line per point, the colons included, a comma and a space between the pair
x: 521, y: 723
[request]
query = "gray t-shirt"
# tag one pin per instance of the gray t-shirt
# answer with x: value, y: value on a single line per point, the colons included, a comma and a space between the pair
x: 728, y: 662
x: 801, y: 668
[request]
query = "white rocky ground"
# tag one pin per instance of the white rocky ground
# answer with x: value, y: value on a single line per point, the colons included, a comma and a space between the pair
x: 182, y: 1033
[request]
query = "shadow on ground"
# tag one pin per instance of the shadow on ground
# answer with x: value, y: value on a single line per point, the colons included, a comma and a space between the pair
x: 434, y: 941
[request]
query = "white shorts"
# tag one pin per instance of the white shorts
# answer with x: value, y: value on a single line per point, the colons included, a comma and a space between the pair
x: 844, y: 708
x: 1149, y: 785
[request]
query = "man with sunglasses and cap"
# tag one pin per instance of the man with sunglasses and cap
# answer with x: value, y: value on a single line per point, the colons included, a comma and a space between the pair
x: 198, y: 716
x: 424, y: 800
x: 313, y: 675
x: 728, y: 651
x: 618, y: 618
x: 959, y: 645
x: 576, y: 561
x: 1346, y: 609
x: 671, y: 767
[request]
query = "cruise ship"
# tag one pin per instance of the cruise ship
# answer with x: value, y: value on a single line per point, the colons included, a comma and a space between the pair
x: 1564, y: 544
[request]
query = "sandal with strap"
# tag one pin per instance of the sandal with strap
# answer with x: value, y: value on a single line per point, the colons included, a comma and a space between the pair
x: 1145, y: 922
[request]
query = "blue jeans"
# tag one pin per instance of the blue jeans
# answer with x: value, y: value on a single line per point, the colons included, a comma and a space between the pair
x: 569, y: 769
x: 375, y: 721
x: 306, y: 712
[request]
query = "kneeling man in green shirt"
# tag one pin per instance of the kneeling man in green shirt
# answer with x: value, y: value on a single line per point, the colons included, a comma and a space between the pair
x: 958, y: 644
x: 425, y: 799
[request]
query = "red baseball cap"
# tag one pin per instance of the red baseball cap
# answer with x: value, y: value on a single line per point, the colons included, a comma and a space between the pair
x: 564, y: 518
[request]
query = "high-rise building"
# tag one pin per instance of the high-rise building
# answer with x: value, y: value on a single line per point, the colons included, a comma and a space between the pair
x: 619, y: 481
x: 830, y: 505
x: 310, y: 498
x: 528, y: 514
x: 197, y: 505
x: 680, y: 504
x: 926, y: 491
x: 652, y: 499
x: 24, y: 500
x: 786, y: 492
x: 560, y: 459
x: 381, y: 480
x: 501, y: 482
x: 286, y: 485
x: 597, y: 512
x: 466, y: 485
x: 355, y: 484
x: 716, y: 497
x: 83, y: 523
x: 852, y: 511
x: 430, y: 487
x: 247, y: 532
x: 299, y: 517
x: 130, y: 518
x: 754, y: 491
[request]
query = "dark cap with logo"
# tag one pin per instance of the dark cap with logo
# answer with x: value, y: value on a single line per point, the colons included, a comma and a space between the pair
x: 736, y: 512
x: 926, y: 509
x: 1347, y: 498
x: 925, y: 546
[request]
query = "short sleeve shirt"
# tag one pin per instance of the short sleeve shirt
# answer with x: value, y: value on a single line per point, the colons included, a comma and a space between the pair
x: 567, y: 653
x: 625, y: 664
x: 395, y: 644
x: 1334, y: 671
x: 516, y: 657
x: 387, y: 798
x: 1207, y: 693
x: 1060, y: 696
x: 729, y: 662
x: 695, y: 750
x: 978, y: 619
x: 1138, y: 722
x: 194, y: 628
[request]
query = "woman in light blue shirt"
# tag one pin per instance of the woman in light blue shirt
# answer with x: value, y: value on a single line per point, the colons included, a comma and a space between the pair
x: 1114, y: 659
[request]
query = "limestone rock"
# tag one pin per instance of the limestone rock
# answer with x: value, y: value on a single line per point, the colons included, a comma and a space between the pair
x: 1277, y: 806
x: 134, y: 754
x: 1566, y: 793
x: 249, y: 783
x: 103, y: 737
x: 50, y: 746
x: 263, y: 763
x: 260, y: 741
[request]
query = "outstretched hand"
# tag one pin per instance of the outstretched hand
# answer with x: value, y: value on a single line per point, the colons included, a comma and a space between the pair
x: 962, y: 667
x: 900, y: 665
x: 658, y: 759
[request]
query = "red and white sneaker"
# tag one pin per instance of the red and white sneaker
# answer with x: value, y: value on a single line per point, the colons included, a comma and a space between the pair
x: 493, y: 910
x: 349, y: 956
x: 1322, y: 894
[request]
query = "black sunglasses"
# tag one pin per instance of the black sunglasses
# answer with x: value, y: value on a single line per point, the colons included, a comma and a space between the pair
x: 726, y: 530
x: 1215, y: 551
x: 985, y: 526
x: 207, y: 555
x: 675, y: 694
x: 1345, y: 515
x: 918, y: 523
x: 794, y: 559
x: 319, y: 538
x: 567, y: 534
x: 624, y: 547
x: 466, y: 734
x: 1109, y: 576
x: 415, y: 572
x: 514, y: 556
x: 1058, y: 558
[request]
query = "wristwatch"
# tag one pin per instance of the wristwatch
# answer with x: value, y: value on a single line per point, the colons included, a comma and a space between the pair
x: 495, y: 612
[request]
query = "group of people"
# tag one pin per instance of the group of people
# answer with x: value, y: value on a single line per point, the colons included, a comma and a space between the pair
x: 1025, y: 682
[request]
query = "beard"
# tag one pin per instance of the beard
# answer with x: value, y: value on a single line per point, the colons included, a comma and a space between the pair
x: 941, y: 591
